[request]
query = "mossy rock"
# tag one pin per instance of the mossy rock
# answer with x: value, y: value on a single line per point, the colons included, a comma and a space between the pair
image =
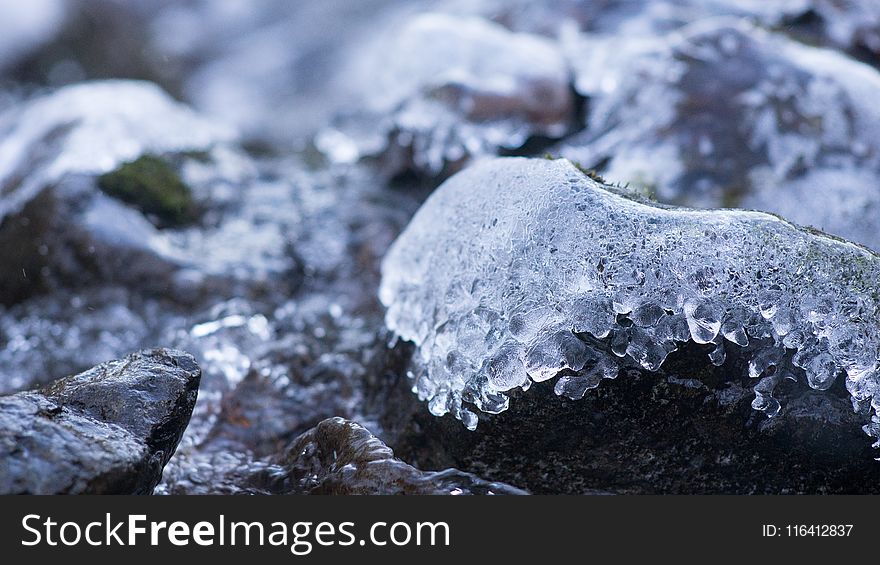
x: 151, y: 185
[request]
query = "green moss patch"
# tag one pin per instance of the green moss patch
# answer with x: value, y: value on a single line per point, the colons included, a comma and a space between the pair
x: 151, y: 185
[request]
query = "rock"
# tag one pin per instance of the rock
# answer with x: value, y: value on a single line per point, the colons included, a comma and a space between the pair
x: 109, y: 430
x: 447, y: 88
x: 291, y: 80
x: 517, y: 271
x: 688, y: 428
x: 93, y: 128
x: 56, y: 227
x: 160, y: 207
x: 342, y: 457
x: 100, y: 39
x: 725, y: 114
x: 274, y: 69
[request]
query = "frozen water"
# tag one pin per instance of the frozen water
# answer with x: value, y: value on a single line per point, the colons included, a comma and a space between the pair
x: 722, y: 113
x: 519, y: 270
x: 448, y: 87
x: 274, y: 289
x: 849, y: 25
x: 92, y: 128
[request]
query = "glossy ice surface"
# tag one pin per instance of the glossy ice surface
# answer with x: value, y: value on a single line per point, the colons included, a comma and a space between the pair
x: 521, y: 270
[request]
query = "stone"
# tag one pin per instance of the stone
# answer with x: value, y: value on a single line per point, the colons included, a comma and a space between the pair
x: 516, y: 272
x: 342, y: 457
x: 109, y: 430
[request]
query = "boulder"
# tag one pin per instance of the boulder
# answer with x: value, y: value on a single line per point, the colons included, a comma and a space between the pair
x: 342, y: 457
x: 109, y: 430
x: 520, y: 274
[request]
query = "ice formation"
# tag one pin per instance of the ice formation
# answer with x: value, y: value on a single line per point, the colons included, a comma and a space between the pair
x: 449, y: 87
x: 92, y: 128
x: 519, y: 270
x: 723, y: 113
x: 844, y: 24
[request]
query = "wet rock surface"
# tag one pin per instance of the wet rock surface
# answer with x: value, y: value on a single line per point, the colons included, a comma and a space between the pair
x: 342, y: 457
x: 687, y: 429
x: 133, y: 215
x: 109, y: 430
x: 337, y: 456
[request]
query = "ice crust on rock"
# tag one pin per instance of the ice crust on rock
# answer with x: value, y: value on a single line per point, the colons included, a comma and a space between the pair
x: 445, y: 87
x: 92, y: 128
x: 54, y: 151
x: 519, y: 270
x: 849, y: 25
x: 724, y: 113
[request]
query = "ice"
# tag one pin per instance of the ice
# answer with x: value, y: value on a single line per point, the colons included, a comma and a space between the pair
x: 554, y: 352
x: 724, y: 113
x: 704, y: 320
x: 650, y: 278
x: 447, y: 87
x: 92, y: 128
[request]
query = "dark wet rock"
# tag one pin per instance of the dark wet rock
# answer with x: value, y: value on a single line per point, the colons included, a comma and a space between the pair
x: 687, y: 429
x: 68, y: 236
x: 109, y: 430
x: 342, y: 457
